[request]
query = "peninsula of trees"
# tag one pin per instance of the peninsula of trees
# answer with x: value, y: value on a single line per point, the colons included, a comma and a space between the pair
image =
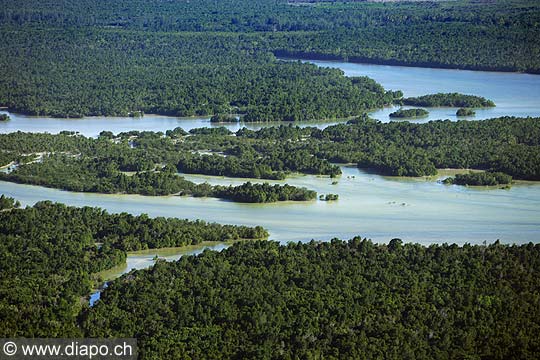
x: 50, y: 253
x: 486, y: 178
x: 450, y: 100
x: 104, y: 165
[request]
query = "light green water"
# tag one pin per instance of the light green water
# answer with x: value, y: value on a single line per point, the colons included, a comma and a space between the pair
x: 381, y: 208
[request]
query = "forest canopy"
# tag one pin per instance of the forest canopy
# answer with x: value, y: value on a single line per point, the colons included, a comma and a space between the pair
x: 332, y: 300
x: 129, y: 57
x: 50, y: 253
x: 450, y: 100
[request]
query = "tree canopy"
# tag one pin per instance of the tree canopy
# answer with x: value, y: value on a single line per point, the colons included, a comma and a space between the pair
x: 330, y: 300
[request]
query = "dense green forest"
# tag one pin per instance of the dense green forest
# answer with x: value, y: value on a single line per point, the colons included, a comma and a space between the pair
x: 465, y: 112
x: 69, y: 59
x: 335, y: 300
x: 409, y: 113
x: 449, y: 99
x: 480, y: 178
x: 8, y: 203
x: 262, y: 193
x: 71, y: 162
x: 502, y: 35
x: 114, y: 72
x: 49, y: 253
x: 146, y: 162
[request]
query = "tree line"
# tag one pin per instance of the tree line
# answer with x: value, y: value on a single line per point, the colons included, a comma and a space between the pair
x: 330, y: 300
x: 50, y: 254
x: 106, y: 165
x: 147, y: 162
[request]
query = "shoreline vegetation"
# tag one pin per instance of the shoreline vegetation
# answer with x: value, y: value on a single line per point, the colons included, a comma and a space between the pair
x: 153, y: 159
x: 307, y: 56
x: 52, y: 255
x: 409, y: 113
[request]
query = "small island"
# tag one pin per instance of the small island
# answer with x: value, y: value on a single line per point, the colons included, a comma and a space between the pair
x: 4, y: 117
x: 409, y: 113
x: 449, y: 99
x: 465, y: 112
x: 328, y: 197
x: 223, y: 118
x: 480, y: 179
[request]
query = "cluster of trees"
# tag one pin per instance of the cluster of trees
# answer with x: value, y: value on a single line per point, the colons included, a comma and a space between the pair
x: 335, y: 300
x: 480, y: 178
x: 4, y: 117
x: 7, y: 203
x: 449, y: 99
x: 50, y: 253
x: 223, y: 118
x: 409, y: 113
x: 263, y: 193
x: 328, y: 197
x: 465, y: 112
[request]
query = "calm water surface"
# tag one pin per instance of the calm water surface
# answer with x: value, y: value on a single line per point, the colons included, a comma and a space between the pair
x: 514, y: 94
x: 416, y: 210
